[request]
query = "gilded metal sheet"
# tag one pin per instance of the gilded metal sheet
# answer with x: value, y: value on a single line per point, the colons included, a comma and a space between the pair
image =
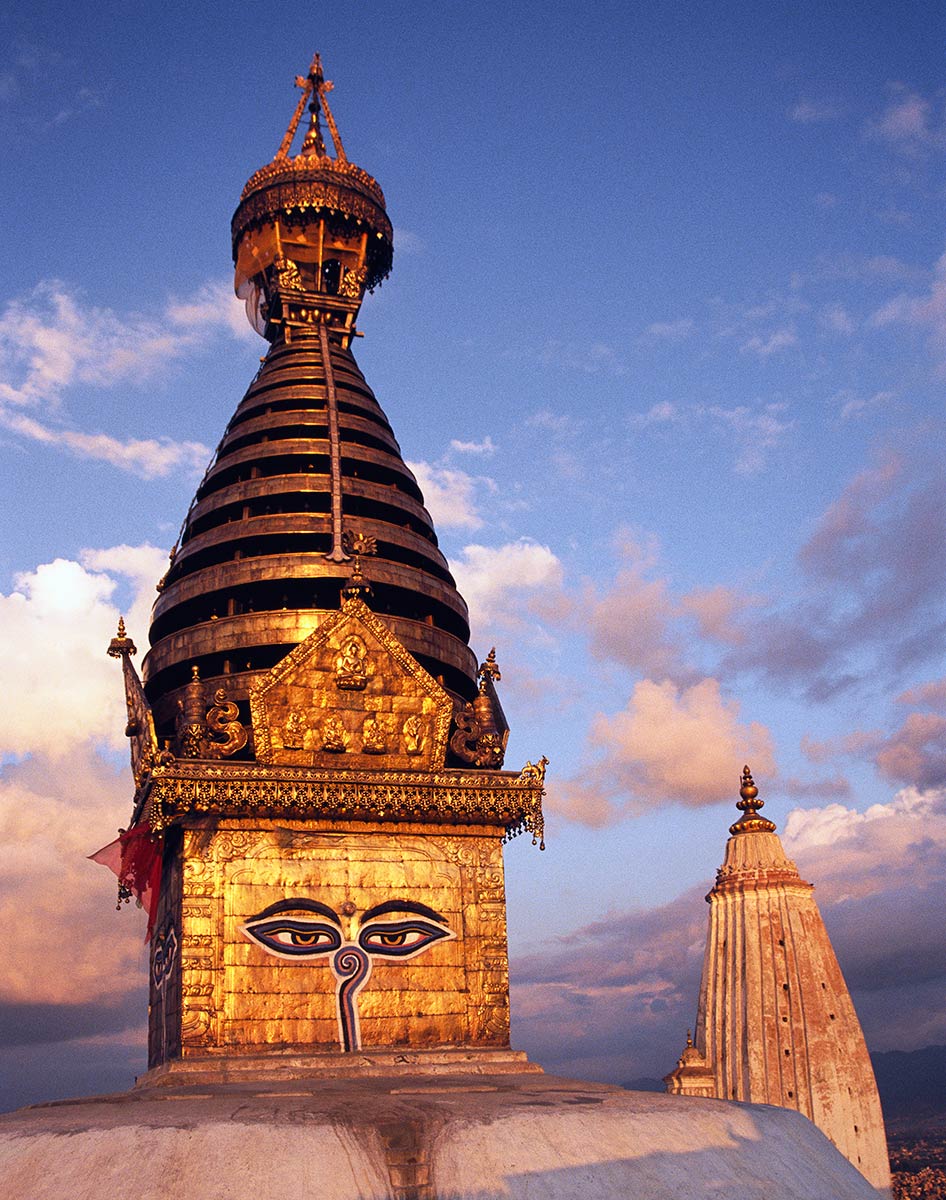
x: 371, y: 887
x: 514, y: 803
x: 351, y: 689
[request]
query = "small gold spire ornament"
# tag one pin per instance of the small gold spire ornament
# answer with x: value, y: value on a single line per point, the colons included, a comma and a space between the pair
x: 121, y: 644
x: 749, y: 804
x: 489, y: 670
x: 355, y: 543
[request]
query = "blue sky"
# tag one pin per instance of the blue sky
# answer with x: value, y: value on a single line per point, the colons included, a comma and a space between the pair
x: 665, y: 340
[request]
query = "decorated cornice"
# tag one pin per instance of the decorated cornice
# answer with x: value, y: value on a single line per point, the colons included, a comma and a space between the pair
x: 501, y: 798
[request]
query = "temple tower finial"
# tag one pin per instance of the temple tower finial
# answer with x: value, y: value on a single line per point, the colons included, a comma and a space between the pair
x: 749, y: 804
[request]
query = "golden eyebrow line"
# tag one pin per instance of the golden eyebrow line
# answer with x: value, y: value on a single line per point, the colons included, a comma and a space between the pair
x: 296, y: 905
x: 403, y: 906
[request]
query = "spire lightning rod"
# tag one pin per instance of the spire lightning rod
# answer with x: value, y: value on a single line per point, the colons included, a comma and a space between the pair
x: 307, y: 83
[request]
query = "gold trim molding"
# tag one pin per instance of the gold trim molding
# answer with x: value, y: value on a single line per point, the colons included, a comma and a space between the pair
x: 511, y: 801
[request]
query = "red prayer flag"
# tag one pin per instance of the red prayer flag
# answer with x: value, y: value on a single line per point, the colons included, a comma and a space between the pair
x: 136, y: 857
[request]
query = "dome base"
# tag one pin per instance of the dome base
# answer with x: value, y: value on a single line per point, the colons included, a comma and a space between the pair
x: 478, y: 1137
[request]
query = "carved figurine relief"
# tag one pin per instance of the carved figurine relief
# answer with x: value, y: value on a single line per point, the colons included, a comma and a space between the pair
x: 413, y: 731
x: 351, y: 668
x: 293, y: 737
x: 301, y: 930
x: 374, y: 735
x: 334, y: 736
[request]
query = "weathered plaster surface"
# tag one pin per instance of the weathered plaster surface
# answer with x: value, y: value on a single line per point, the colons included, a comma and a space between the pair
x: 479, y: 1138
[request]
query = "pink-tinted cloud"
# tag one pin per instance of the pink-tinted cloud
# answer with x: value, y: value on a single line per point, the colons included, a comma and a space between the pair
x: 909, y: 122
x: 916, y: 752
x: 631, y: 623
x: 63, y: 941
x: 719, y: 612
x: 63, y: 716
x: 926, y: 695
x: 669, y: 745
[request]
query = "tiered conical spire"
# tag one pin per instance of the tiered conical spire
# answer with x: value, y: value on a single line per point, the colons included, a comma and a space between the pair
x: 775, y: 1023
x: 308, y: 459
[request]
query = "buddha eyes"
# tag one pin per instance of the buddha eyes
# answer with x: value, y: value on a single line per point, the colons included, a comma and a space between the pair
x: 297, y: 935
x: 294, y: 937
x: 401, y: 939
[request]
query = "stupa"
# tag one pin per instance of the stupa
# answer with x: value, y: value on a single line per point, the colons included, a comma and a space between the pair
x: 775, y: 1022
x: 319, y: 808
x: 317, y: 754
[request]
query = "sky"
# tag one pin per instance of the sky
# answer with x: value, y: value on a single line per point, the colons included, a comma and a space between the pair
x: 664, y: 344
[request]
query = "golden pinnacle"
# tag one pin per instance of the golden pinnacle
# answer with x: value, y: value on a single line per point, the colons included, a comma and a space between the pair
x: 121, y: 643
x: 749, y: 803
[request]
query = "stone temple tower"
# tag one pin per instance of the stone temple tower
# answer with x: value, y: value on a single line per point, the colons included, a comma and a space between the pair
x: 320, y: 804
x: 775, y: 1022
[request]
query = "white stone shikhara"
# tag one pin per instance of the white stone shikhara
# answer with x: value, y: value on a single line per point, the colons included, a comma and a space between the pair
x: 775, y: 1023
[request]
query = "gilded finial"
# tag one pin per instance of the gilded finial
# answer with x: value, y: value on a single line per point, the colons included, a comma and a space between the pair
x: 121, y: 644
x: 315, y: 87
x: 356, y: 543
x: 749, y: 804
x: 489, y: 670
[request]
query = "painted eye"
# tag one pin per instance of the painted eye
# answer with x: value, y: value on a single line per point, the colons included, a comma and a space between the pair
x: 294, y: 937
x: 401, y: 939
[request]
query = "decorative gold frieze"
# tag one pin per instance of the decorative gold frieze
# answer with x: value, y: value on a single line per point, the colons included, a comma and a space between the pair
x: 242, y: 789
x: 350, y: 688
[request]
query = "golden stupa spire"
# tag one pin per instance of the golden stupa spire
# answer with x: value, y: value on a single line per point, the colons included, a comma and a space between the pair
x: 749, y: 804
x: 315, y: 88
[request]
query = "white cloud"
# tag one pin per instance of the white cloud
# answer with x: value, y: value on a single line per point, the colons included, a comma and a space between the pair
x: 926, y: 312
x: 449, y: 494
x: 486, y: 446
x: 61, y: 691
x: 862, y: 853
x: 661, y: 413
x: 497, y: 581
x: 764, y: 347
x: 669, y: 331
x: 591, y: 357
x: 150, y: 458
x: 215, y: 306
x: 836, y: 319
x: 853, y: 406
x: 53, y: 341
x: 757, y: 431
